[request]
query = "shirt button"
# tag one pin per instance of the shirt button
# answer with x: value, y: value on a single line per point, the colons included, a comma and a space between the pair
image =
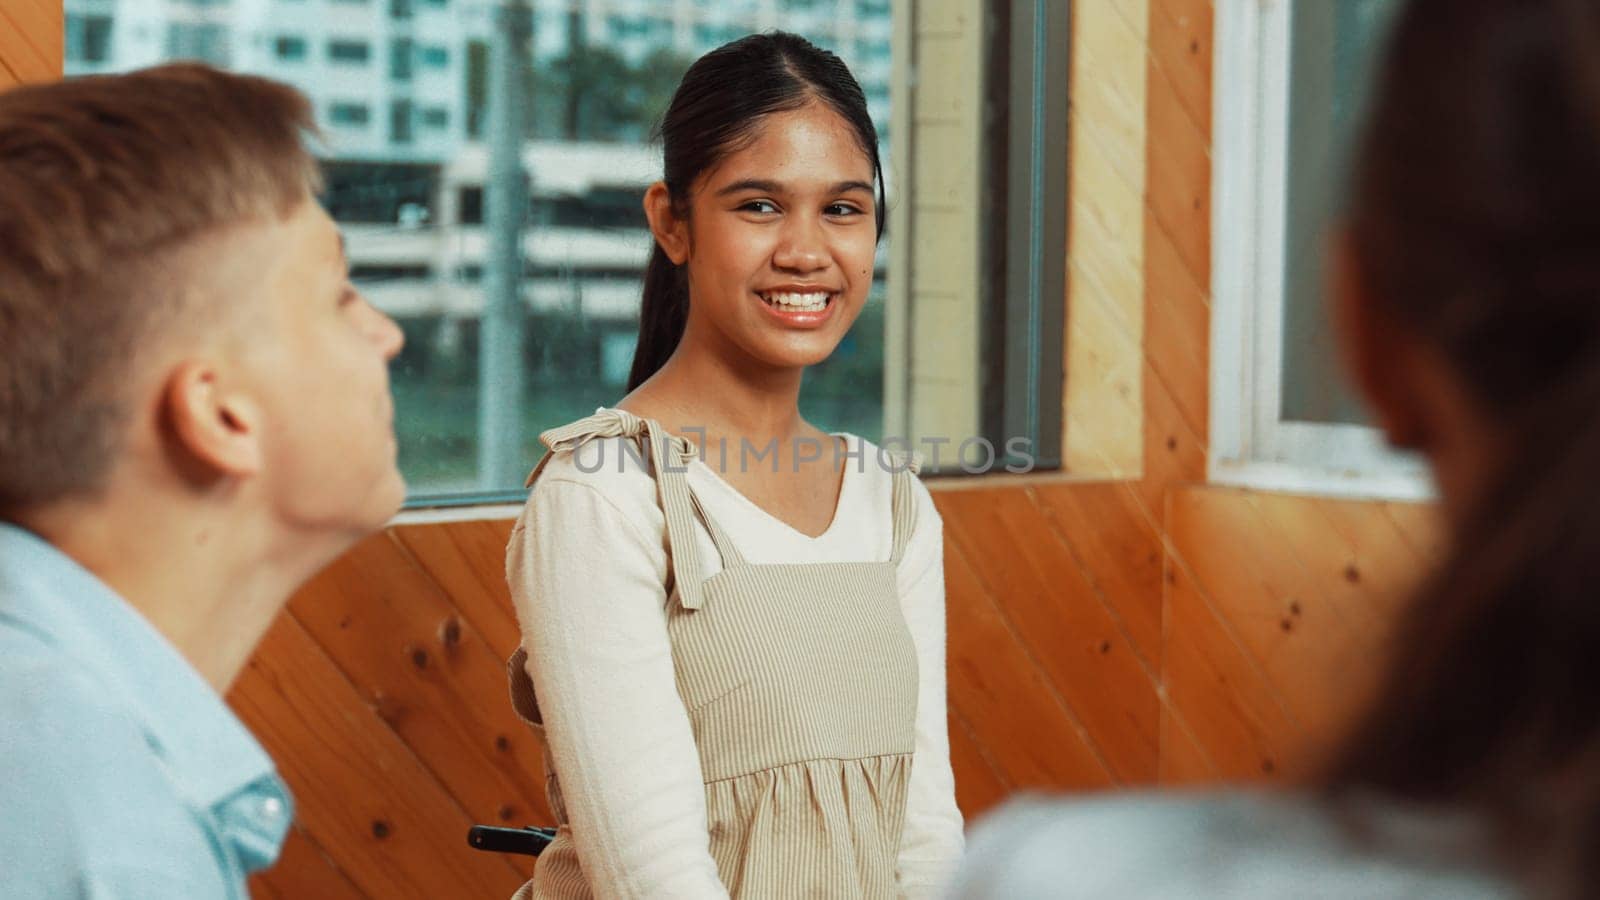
x: 271, y: 807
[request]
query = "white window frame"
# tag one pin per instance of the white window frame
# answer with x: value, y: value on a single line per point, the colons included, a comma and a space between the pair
x: 1251, y: 445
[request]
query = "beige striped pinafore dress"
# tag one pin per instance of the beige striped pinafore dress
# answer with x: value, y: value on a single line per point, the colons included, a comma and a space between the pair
x: 800, y: 681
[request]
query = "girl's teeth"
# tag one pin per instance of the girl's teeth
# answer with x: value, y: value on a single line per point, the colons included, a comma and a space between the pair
x: 799, y: 302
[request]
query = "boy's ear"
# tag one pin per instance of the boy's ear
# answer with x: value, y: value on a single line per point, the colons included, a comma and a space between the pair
x: 218, y: 429
x: 669, y: 230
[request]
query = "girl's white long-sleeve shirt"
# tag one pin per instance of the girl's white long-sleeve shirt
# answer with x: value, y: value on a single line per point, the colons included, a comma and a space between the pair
x: 588, y: 567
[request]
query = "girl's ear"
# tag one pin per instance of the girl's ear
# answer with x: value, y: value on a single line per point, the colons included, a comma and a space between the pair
x: 1377, y: 354
x: 670, y: 231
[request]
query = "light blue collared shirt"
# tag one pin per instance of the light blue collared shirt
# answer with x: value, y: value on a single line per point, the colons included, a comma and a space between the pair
x: 122, y: 773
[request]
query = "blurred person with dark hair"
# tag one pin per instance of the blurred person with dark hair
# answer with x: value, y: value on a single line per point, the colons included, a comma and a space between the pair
x: 1467, y: 299
x: 194, y: 419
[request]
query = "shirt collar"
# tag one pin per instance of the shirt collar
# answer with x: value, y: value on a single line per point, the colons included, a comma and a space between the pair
x: 208, y: 752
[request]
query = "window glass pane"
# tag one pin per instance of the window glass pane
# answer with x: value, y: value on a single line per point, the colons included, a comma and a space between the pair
x: 349, y: 114
x: 401, y: 54
x: 349, y: 51
x: 1332, y: 52
x: 88, y: 38
x: 198, y: 41
x: 290, y: 48
x: 407, y: 168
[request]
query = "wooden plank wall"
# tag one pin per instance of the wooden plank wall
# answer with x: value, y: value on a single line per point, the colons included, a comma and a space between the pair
x: 31, y: 35
x: 1152, y: 630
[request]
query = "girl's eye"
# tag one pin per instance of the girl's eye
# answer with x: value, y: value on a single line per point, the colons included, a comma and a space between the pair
x: 760, y: 206
x: 843, y: 209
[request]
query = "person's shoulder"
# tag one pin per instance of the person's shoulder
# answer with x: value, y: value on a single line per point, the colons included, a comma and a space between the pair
x: 1191, y: 844
x: 84, y: 794
x: 882, y: 466
x: 617, y: 468
x: 49, y: 697
x: 1030, y: 846
x: 63, y: 730
x: 890, y: 457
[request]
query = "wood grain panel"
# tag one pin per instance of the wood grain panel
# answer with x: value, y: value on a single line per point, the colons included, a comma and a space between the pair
x: 1180, y: 46
x: 31, y: 35
x: 1183, y: 762
x: 1030, y: 737
x: 1309, y: 589
x: 979, y: 784
x: 1119, y: 550
x: 1177, y: 326
x: 429, y: 675
x: 1067, y: 631
x: 467, y: 561
x: 1221, y: 694
x: 1272, y: 607
x: 1178, y: 161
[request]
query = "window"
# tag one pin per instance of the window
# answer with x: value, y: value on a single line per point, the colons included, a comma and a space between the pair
x: 88, y: 38
x: 1291, y: 79
x: 469, y: 204
x: 401, y: 53
x: 400, y: 122
x: 368, y: 275
x: 349, y: 51
x: 349, y: 114
x: 289, y: 48
x: 407, y: 179
x: 198, y: 41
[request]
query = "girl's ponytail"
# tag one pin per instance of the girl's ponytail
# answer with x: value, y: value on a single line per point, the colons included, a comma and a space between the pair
x: 662, y: 316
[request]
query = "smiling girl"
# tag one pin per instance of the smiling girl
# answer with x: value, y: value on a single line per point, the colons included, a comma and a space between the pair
x: 735, y: 642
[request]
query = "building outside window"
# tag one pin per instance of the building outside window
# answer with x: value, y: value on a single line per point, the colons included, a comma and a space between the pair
x: 88, y: 38
x: 400, y: 122
x: 402, y: 53
x: 434, y: 56
x: 349, y: 51
x: 289, y: 48
x: 204, y: 42
x: 349, y: 114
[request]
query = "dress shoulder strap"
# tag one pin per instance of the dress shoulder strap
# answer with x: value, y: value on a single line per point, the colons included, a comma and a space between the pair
x: 669, y: 456
x: 905, y: 466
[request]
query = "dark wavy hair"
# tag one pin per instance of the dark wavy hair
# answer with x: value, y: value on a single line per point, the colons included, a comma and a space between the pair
x: 715, y: 111
x: 1475, y: 222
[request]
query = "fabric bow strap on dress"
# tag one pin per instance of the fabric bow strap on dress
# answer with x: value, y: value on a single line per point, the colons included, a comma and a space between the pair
x: 800, y: 681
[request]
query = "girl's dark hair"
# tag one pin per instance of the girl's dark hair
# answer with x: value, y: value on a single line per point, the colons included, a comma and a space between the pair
x: 716, y: 110
x: 1475, y: 222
